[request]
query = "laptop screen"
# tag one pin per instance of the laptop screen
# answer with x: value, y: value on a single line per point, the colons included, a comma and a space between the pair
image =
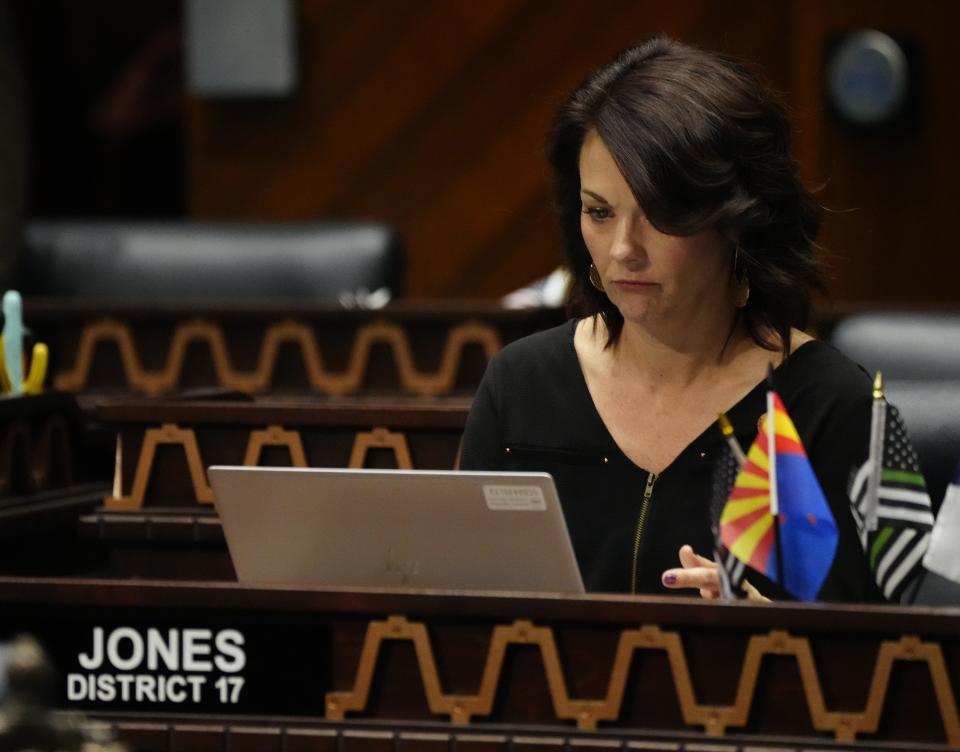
x: 396, y: 528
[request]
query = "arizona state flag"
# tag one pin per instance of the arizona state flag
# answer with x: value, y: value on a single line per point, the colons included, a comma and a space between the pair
x: 776, y: 502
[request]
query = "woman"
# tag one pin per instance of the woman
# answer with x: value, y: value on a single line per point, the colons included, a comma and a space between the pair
x: 689, y: 238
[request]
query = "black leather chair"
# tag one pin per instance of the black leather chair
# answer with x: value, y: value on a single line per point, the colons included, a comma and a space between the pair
x: 919, y: 356
x: 903, y: 345
x: 931, y: 411
x: 209, y: 262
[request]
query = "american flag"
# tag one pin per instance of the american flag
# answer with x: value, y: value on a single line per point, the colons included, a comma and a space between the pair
x: 891, y: 506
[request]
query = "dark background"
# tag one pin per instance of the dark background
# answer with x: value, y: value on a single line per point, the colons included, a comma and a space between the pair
x: 431, y: 115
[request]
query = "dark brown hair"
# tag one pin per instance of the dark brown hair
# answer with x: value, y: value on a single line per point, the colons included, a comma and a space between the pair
x: 702, y: 143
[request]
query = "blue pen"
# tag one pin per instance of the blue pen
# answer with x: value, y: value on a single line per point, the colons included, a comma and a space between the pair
x: 13, y: 339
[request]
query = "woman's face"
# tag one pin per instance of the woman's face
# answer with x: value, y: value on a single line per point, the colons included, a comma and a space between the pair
x: 649, y: 276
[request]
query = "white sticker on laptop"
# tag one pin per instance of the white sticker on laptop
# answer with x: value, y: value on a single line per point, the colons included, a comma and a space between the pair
x: 515, y: 498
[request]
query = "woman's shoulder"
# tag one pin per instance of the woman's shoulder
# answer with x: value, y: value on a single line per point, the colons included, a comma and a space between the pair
x: 540, y: 367
x: 818, y: 375
x: 819, y: 363
x: 546, y: 348
x: 537, y: 365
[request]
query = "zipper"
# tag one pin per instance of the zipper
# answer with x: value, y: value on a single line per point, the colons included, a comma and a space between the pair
x: 641, y: 522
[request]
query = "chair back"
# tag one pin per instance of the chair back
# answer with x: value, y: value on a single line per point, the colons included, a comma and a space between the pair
x: 919, y: 356
x: 209, y: 261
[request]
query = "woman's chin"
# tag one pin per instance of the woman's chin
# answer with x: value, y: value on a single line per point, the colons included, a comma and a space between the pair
x: 638, y: 314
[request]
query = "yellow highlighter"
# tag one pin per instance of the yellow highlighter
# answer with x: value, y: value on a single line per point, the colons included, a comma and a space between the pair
x: 33, y: 384
x: 4, y: 379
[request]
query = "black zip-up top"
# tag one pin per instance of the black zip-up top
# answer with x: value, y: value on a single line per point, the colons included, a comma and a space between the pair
x: 533, y: 411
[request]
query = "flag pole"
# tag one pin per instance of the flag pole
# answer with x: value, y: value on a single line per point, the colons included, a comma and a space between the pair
x: 726, y: 428
x: 726, y: 572
x: 877, y: 426
x: 772, y: 459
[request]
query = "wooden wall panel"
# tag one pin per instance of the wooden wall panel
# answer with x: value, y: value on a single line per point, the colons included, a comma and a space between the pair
x: 893, y: 233
x: 433, y: 116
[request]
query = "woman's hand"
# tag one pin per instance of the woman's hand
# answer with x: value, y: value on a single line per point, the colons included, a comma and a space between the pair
x: 697, y: 572
x: 702, y: 573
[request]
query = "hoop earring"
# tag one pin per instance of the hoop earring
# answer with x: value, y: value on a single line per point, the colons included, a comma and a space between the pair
x: 594, y: 276
x: 742, y: 294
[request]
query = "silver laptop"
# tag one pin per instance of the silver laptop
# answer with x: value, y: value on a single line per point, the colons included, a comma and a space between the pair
x: 395, y: 528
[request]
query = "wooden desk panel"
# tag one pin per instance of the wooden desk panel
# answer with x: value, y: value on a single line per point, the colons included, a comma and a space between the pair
x: 39, y: 443
x: 418, y: 349
x: 43, y: 484
x: 526, y: 670
x: 423, y: 434
x: 159, y: 520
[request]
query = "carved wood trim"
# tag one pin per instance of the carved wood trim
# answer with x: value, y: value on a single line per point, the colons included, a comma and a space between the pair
x: 907, y: 648
x: 102, y: 330
x: 168, y: 433
x: 381, y: 438
x: 275, y: 436
x: 154, y: 383
x: 714, y: 719
x: 117, y: 470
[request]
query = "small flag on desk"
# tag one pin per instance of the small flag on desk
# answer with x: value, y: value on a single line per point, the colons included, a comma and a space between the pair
x: 727, y: 467
x: 943, y: 555
x: 777, y: 517
x: 890, y: 503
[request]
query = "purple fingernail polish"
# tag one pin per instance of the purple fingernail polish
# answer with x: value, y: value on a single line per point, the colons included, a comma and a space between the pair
x: 669, y: 579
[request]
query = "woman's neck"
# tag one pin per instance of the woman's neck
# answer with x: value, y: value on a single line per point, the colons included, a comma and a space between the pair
x: 677, y: 358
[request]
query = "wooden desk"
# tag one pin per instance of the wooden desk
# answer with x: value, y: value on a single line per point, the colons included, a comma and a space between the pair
x: 422, y: 351
x: 43, y: 488
x: 285, y: 669
x: 418, y: 348
x: 159, y: 521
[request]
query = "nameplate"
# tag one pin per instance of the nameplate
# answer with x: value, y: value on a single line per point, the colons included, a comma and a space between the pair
x: 203, y: 662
